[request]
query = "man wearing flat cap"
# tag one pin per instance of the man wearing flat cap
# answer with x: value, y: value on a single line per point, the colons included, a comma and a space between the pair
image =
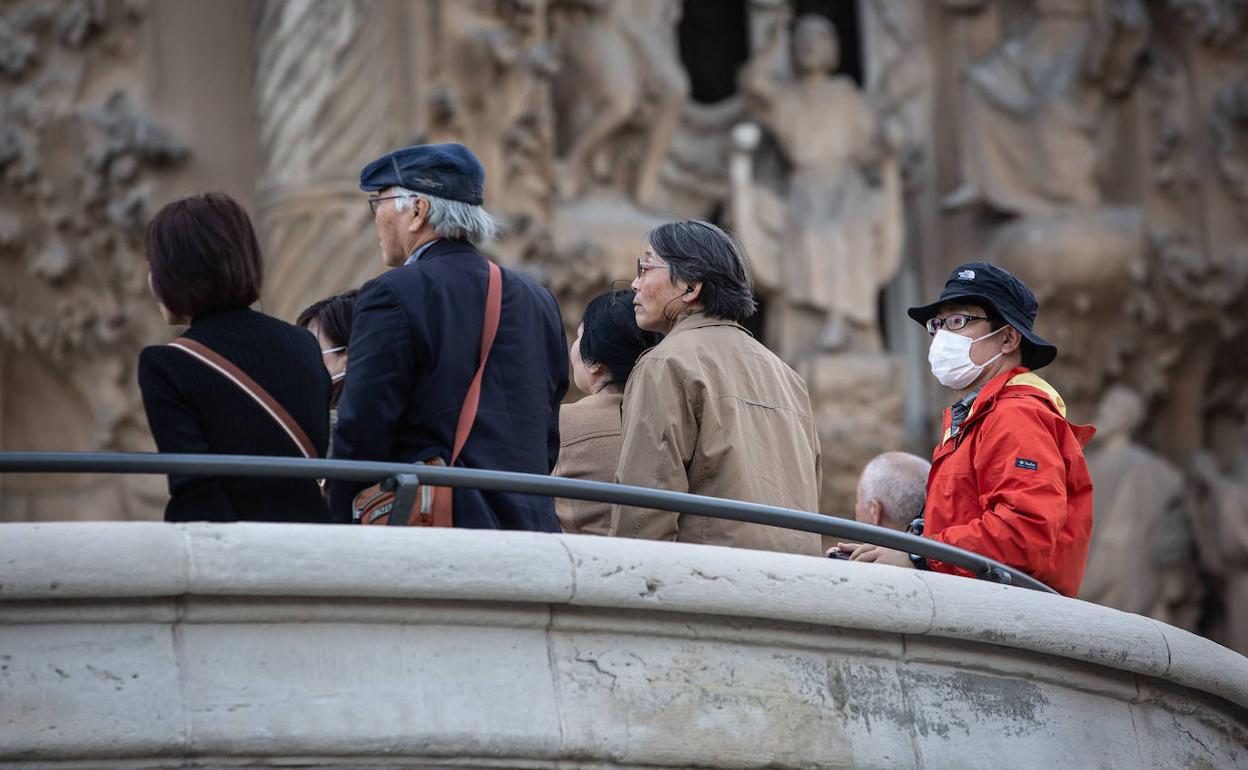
x: 417, y: 337
x: 1008, y: 480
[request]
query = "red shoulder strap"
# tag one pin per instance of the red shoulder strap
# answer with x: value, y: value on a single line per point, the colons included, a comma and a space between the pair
x: 441, y: 510
x: 252, y: 388
x: 493, y: 308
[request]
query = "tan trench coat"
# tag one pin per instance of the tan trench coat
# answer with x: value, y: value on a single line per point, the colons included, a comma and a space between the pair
x: 589, y: 449
x: 711, y: 411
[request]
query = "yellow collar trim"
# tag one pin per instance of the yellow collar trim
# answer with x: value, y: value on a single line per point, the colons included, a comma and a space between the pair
x: 1034, y: 380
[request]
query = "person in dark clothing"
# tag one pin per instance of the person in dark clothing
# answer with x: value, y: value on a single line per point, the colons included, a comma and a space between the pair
x: 329, y: 320
x: 416, y: 340
x: 205, y: 270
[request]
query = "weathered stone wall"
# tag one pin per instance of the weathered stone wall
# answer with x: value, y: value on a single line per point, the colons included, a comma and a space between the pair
x: 254, y: 645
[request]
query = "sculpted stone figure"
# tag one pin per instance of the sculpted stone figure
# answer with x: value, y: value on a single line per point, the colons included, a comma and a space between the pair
x: 617, y: 76
x: 490, y: 97
x: 841, y: 240
x: 1141, y: 537
x: 1031, y: 107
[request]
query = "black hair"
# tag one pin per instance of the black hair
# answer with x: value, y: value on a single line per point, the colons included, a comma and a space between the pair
x: 700, y: 252
x: 204, y: 255
x: 333, y: 315
x: 610, y: 335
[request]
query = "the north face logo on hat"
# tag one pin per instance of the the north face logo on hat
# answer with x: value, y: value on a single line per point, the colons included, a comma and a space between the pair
x: 966, y: 275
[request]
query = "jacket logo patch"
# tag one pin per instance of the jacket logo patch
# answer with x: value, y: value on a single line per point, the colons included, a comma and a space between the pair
x: 1029, y: 465
x: 966, y: 275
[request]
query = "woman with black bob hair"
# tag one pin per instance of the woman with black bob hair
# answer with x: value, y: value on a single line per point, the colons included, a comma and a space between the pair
x: 607, y: 345
x: 236, y: 381
x: 710, y: 410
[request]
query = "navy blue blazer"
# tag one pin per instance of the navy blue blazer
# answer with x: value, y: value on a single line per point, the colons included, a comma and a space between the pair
x: 413, y: 351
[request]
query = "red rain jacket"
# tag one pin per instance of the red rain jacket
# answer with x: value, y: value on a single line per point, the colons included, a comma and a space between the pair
x: 1013, y: 484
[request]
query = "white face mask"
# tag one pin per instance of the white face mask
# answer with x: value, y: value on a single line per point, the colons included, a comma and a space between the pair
x: 950, y: 358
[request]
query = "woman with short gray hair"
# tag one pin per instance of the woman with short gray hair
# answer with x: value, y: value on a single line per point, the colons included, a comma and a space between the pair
x: 710, y: 410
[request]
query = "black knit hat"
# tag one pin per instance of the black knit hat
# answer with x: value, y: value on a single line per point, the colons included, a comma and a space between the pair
x: 997, y: 288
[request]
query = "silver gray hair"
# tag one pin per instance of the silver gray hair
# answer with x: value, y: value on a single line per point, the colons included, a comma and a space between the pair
x: 899, y: 481
x: 452, y: 219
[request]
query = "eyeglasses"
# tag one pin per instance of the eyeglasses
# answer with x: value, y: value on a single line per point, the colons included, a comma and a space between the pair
x: 642, y: 267
x: 952, y: 322
x: 373, y: 203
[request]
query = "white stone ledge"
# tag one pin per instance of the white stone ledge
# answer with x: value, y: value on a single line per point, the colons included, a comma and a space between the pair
x: 114, y: 560
x: 170, y: 645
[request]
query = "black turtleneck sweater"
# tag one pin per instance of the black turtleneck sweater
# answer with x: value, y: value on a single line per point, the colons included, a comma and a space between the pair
x: 191, y: 408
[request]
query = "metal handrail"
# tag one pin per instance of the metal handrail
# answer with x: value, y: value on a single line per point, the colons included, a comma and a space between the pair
x: 506, y: 481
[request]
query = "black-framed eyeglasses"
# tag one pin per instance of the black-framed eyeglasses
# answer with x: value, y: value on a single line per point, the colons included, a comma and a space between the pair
x: 642, y: 267
x: 952, y: 322
x: 373, y: 203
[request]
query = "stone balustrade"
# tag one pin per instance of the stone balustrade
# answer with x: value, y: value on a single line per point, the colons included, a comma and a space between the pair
x: 254, y: 645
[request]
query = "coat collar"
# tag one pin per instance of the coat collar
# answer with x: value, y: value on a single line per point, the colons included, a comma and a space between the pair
x: 1019, y: 381
x: 440, y: 247
x: 699, y: 320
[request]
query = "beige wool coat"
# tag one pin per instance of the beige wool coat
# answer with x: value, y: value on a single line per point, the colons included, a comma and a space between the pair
x: 589, y: 449
x: 711, y: 411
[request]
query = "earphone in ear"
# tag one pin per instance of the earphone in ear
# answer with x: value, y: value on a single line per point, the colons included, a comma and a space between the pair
x: 688, y: 290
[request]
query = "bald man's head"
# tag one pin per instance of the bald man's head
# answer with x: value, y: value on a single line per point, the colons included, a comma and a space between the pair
x: 891, y: 490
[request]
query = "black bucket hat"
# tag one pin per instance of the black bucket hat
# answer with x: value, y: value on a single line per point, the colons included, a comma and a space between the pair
x: 983, y: 284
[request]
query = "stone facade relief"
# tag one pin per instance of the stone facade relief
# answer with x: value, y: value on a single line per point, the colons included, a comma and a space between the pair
x: 824, y: 227
x: 1102, y: 163
x: 618, y: 99
x: 840, y: 235
x: 78, y: 158
x: 1044, y: 90
x: 618, y: 95
x: 495, y: 97
x: 1142, y: 537
x: 327, y: 97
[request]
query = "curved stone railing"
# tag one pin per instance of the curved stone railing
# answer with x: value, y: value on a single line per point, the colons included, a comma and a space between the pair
x: 260, y: 645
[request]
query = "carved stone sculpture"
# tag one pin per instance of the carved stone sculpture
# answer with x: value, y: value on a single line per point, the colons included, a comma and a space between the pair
x: 618, y: 94
x: 493, y: 96
x: 1141, y: 557
x: 1031, y: 107
x: 842, y: 229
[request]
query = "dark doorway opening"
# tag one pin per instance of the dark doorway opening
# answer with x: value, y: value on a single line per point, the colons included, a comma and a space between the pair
x: 714, y: 37
x: 843, y: 14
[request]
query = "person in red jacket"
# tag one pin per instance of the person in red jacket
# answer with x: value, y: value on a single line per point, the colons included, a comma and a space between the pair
x: 1008, y: 479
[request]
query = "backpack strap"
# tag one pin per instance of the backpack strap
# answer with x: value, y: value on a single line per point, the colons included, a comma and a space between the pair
x: 252, y: 388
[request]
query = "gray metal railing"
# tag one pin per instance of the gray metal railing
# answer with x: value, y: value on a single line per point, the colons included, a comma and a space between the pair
x: 503, y: 481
